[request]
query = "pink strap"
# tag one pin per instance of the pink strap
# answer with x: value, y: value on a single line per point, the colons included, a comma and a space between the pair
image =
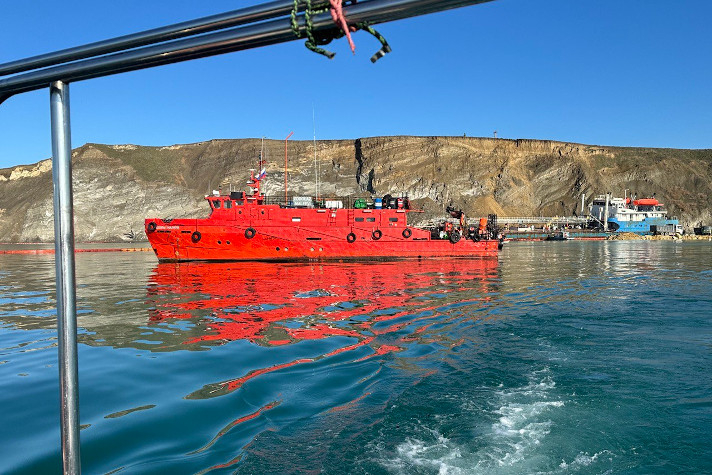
x: 337, y: 14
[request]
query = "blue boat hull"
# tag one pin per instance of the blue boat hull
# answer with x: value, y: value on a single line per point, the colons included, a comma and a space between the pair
x: 638, y: 227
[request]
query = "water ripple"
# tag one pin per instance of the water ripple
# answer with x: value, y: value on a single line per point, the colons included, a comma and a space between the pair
x: 568, y: 358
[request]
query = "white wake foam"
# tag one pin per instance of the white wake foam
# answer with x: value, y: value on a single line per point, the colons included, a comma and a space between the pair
x: 584, y: 460
x: 509, y: 445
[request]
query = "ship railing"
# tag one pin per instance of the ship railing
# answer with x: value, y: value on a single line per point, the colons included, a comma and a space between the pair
x: 543, y: 219
x: 329, y: 202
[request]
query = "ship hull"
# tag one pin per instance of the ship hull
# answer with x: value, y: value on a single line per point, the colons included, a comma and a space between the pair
x: 175, y: 241
x: 639, y: 227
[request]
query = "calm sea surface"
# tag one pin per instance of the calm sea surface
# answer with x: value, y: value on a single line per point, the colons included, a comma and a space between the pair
x: 572, y: 357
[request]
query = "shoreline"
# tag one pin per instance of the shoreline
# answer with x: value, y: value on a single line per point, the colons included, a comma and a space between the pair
x: 39, y: 248
x: 52, y: 251
x: 648, y: 237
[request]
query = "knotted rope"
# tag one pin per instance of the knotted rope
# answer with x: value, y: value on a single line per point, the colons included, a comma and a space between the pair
x: 314, y: 39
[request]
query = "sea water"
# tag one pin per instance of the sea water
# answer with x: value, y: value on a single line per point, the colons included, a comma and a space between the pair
x: 559, y: 357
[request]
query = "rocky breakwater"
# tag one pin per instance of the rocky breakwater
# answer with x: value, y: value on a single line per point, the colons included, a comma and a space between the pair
x: 658, y: 237
x: 116, y: 186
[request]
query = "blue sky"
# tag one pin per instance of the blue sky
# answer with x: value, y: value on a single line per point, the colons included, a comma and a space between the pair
x: 629, y: 73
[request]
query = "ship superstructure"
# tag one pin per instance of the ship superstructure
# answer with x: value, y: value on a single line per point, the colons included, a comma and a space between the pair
x: 640, y: 216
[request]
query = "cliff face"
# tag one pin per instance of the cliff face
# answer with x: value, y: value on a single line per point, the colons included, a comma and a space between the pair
x: 117, y: 186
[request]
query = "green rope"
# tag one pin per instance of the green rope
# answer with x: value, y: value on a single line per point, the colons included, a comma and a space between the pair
x: 325, y: 38
x: 385, y: 47
x: 312, y: 40
x: 293, y: 18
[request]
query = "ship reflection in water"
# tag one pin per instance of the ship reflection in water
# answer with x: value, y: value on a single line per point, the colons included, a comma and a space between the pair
x: 556, y: 359
x: 379, y: 307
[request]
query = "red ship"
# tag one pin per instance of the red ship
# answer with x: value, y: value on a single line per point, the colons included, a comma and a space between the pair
x: 250, y: 226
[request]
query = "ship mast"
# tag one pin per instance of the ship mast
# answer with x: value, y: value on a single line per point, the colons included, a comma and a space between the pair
x: 261, y: 160
x: 254, y: 181
x: 286, y: 199
x: 316, y: 166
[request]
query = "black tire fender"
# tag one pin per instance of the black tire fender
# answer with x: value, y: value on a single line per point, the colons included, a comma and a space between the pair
x: 407, y: 233
x: 150, y: 227
x: 455, y: 236
x: 250, y: 233
x: 196, y: 236
x: 376, y: 235
x: 351, y: 237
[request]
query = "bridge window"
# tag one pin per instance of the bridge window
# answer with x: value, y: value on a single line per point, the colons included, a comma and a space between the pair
x: 359, y: 220
x: 216, y: 204
x: 393, y: 220
x: 371, y: 220
x: 228, y: 204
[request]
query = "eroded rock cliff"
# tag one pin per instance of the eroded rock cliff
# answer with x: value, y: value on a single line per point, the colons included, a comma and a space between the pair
x: 117, y: 186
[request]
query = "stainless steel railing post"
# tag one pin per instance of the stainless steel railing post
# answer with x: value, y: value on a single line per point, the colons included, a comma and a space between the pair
x: 64, y: 268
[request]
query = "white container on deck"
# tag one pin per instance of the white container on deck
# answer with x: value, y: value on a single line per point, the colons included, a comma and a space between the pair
x: 303, y: 201
x: 334, y: 204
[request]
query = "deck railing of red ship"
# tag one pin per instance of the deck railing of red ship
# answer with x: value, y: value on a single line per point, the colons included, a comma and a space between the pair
x: 347, y: 202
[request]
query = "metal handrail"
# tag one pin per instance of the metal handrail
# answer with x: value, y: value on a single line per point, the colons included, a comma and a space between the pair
x: 543, y: 219
x: 347, y: 201
x: 194, y: 27
x: 210, y: 44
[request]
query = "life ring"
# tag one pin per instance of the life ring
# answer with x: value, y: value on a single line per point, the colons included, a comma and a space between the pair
x: 250, y: 233
x: 455, y: 236
x: 195, y: 237
x: 407, y: 233
x: 376, y: 235
x: 351, y: 237
x: 151, y: 227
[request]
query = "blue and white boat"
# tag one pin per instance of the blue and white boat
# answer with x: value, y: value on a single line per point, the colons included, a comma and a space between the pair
x: 625, y: 215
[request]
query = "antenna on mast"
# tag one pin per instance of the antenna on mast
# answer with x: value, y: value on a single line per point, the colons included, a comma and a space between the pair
x: 260, y: 163
x: 285, y: 168
x: 316, y: 165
